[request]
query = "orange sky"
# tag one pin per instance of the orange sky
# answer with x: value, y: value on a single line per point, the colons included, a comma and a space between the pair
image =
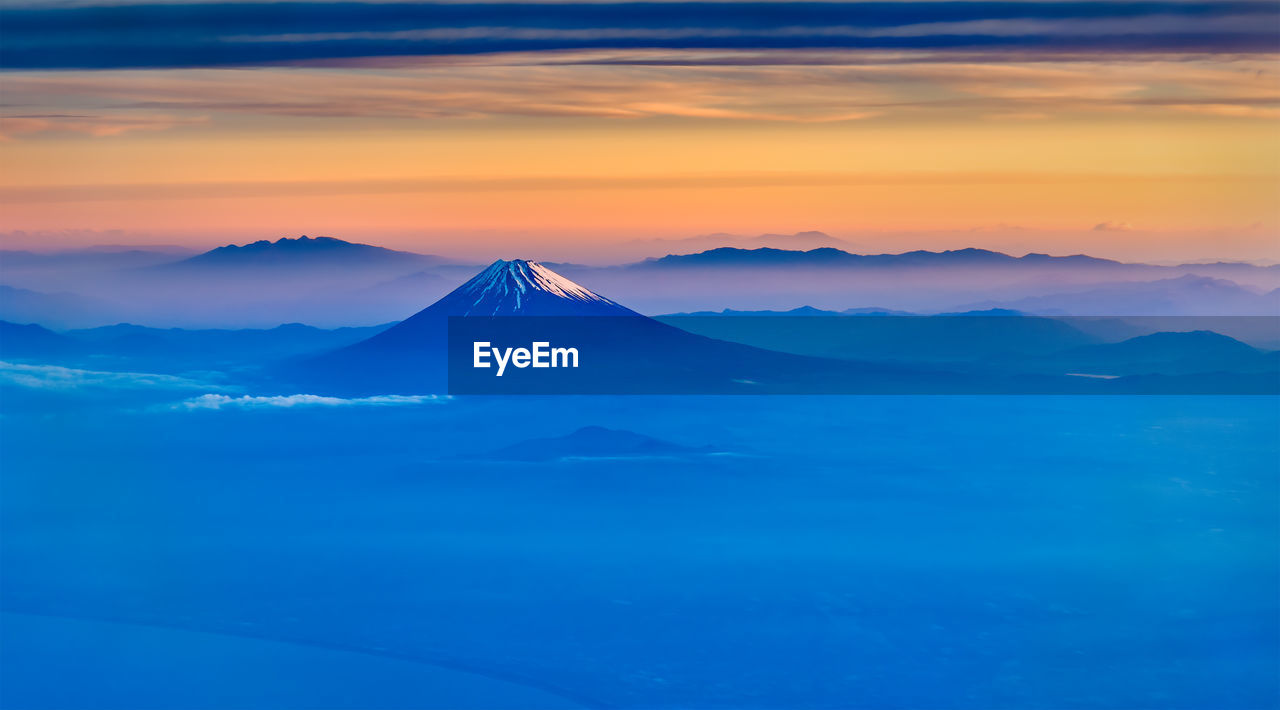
x: 1178, y: 158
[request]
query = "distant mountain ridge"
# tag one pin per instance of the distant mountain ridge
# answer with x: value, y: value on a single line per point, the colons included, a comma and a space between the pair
x: 165, y: 349
x: 798, y: 241
x: 631, y: 353
x: 303, y: 251
x: 331, y: 282
x: 322, y: 280
x: 830, y: 256
x: 800, y: 311
x: 969, y: 256
x: 919, y: 281
x: 31, y: 341
x: 1168, y: 353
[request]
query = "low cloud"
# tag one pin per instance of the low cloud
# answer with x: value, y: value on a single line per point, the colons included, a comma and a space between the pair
x: 54, y: 377
x: 222, y: 401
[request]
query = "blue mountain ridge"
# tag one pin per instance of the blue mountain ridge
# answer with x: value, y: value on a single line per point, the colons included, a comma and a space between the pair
x: 299, y: 252
x: 631, y: 353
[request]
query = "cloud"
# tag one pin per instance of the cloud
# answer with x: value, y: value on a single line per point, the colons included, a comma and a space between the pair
x: 1230, y: 110
x: 551, y: 183
x: 1019, y: 116
x: 215, y: 397
x: 53, y: 377
x: 779, y: 86
x: 1113, y: 227
x: 221, y: 401
x: 199, y: 34
x: 95, y: 125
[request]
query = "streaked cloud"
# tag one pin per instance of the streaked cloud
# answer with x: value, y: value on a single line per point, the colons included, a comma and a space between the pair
x: 101, y: 125
x: 585, y: 121
x: 1230, y: 110
x: 865, y: 86
x: 151, y: 192
x: 258, y: 33
x: 222, y: 401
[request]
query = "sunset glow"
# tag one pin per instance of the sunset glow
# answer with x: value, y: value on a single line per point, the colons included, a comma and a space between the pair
x: 1166, y: 153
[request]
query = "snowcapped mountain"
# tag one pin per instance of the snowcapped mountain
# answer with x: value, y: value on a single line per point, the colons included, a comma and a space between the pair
x: 506, y: 288
x: 628, y: 353
x: 412, y: 353
x: 631, y: 354
x: 523, y: 288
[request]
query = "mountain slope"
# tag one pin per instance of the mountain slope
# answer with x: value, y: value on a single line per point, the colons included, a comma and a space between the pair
x: 22, y: 342
x: 302, y: 252
x: 505, y: 288
x: 1170, y: 353
x: 412, y: 353
x: 618, y: 351
x: 625, y: 353
x: 526, y: 288
x: 263, y: 284
x: 887, y: 338
x: 832, y: 279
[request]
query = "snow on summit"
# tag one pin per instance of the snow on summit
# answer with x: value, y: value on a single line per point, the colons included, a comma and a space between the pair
x: 519, y: 276
x: 520, y: 287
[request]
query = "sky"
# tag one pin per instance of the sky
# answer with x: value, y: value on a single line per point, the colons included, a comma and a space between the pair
x: 1135, y: 130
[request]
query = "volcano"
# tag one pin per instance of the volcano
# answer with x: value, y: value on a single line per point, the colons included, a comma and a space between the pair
x: 523, y: 288
x: 411, y: 355
x: 505, y: 288
x: 623, y: 352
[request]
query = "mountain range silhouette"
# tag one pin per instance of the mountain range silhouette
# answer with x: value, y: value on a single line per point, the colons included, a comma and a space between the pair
x: 628, y: 352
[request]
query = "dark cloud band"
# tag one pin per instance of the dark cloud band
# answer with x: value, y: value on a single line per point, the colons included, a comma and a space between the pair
x: 226, y: 34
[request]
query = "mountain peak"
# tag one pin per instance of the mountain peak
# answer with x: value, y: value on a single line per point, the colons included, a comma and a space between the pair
x: 409, y: 353
x: 519, y: 286
x: 521, y: 276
